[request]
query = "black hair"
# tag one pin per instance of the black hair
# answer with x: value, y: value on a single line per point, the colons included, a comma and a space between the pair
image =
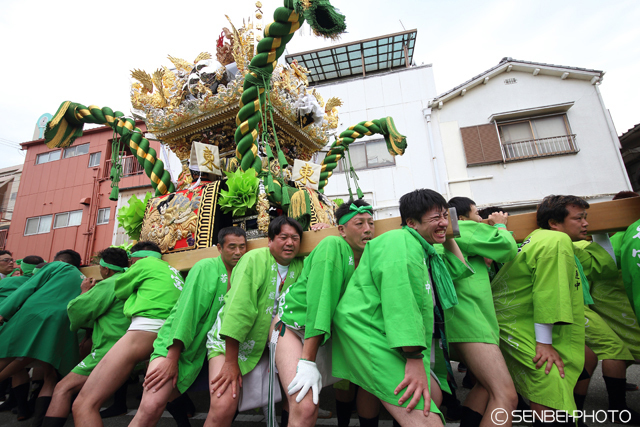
x: 276, y: 225
x: 555, y: 208
x: 343, y: 209
x: 70, y: 257
x: 625, y: 195
x: 146, y: 245
x: 484, y: 213
x: 3, y: 252
x: 42, y: 264
x: 462, y: 205
x: 415, y: 204
x: 32, y: 259
x: 115, y: 256
x: 236, y: 231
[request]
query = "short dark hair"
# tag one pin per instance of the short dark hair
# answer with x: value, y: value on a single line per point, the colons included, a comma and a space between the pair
x: 343, y: 209
x: 555, y: 208
x: 625, y: 195
x: 146, y: 245
x: 415, y: 204
x: 3, y: 252
x: 462, y: 205
x: 32, y: 259
x: 236, y: 231
x: 115, y: 256
x: 484, y: 213
x: 275, y: 226
x: 70, y: 257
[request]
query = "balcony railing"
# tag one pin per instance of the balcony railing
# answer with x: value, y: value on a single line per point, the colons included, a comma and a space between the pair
x: 541, y: 147
x: 130, y: 167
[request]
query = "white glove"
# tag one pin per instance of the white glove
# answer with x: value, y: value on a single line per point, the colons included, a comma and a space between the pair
x: 307, y: 376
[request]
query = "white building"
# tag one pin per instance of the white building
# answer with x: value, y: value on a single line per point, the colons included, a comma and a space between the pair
x: 386, y: 86
x: 523, y: 130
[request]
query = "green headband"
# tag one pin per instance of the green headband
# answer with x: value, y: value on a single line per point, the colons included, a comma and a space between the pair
x: 353, y: 211
x: 144, y: 254
x: 111, y: 266
x: 27, y: 268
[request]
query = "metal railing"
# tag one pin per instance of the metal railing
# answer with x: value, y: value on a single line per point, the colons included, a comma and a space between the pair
x: 130, y: 167
x: 3, y: 238
x: 541, y: 147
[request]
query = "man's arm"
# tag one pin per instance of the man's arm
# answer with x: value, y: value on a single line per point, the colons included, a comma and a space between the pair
x: 89, y: 305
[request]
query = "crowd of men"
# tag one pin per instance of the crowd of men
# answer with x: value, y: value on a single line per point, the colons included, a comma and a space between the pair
x: 378, y: 317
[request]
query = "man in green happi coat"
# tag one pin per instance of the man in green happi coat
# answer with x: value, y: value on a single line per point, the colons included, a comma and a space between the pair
x: 539, y: 299
x: 180, y: 348
x: 20, y: 380
x: 471, y: 327
x: 96, y: 308
x: 6, y: 263
x: 307, y: 309
x: 239, y: 337
x: 383, y: 325
x: 628, y: 255
x: 149, y: 289
x: 37, y: 325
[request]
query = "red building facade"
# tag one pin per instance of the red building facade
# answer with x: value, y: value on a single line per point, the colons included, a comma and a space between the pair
x: 63, y: 198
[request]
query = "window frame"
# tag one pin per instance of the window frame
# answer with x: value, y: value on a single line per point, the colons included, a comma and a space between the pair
x: 108, y: 216
x: 68, y: 213
x: 75, y: 149
x: 339, y: 168
x: 91, y: 156
x: 39, y: 218
x: 48, y: 154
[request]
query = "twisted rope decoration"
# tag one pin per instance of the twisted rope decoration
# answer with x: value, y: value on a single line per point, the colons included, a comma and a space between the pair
x: 396, y: 144
x: 67, y: 124
x: 270, y: 48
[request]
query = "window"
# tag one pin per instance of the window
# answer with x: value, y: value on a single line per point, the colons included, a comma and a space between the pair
x: 13, y: 196
x: 518, y: 139
x: 78, y: 150
x: 537, y: 137
x: 365, y: 155
x: 94, y: 159
x: 38, y: 225
x: 103, y: 216
x: 68, y: 219
x: 48, y: 157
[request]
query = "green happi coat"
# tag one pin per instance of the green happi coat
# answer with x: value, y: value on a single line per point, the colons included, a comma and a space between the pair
x: 37, y: 322
x: 542, y: 285
x: 474, y: 318
x: 388, y: 304
x: 100, y: 310
x: 10, y: 284
x: 628, y: 256
x: 248, y: 309
x: 150, y: 288
x: 192, y: 317
x: 611, y: 329
x: 311, y: 302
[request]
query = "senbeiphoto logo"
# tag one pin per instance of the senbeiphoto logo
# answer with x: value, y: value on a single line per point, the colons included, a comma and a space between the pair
x: 500, y: 416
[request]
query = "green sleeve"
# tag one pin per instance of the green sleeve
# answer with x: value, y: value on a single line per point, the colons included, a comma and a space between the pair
x: 325, y: 282
x: 399, y: 277
x: 616, y: 243
x: 553, y: 276
x: 192, y: 305
x: 493, y: 242
x: 630, y: 264
x: 241, y: 302
x: 596, y: 262
x: 457, y: 269
x: 86, y: 308
x: 13, y: 302
x: 130, y: 281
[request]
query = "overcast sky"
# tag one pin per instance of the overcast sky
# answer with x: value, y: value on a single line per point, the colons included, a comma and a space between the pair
x: 84, y: 51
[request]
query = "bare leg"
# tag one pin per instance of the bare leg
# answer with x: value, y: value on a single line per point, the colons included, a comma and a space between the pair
x: 153, y: 403
x: 493, y: 377
x: 10, y: 366
x: 368, y: 405
x: 288, y: 352
x: 222, y: 409
x: 112, y: 371
x: 61, y: 401
x: 20, y: 377
x: 590, y: 363
x: 50, y: 380
x: 614, y: 368
x: 435, y: 392
x: 414, y: 418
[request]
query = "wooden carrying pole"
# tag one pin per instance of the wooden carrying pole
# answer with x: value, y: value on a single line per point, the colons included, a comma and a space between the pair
x: 603, y: 217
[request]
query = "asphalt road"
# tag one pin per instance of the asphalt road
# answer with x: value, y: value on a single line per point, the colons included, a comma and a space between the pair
x: 596, y: 400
